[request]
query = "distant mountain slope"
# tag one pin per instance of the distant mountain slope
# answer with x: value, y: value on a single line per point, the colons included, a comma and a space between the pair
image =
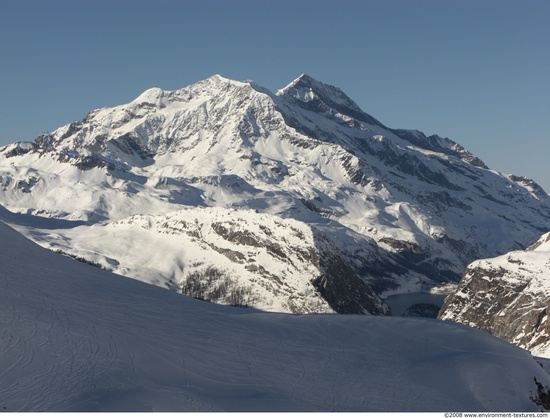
x: 507, y: 296
x: 406, y: 210
x: 275, y: 264
x: 77, y: 338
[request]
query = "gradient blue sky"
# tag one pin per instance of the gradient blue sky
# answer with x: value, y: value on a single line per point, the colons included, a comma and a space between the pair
x: 476, y: 71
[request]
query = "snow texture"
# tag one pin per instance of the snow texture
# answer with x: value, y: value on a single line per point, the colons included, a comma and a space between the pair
x: 77, y: 338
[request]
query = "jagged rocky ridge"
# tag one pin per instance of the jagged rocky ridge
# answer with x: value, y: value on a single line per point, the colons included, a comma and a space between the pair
x: 406, y: 211
x: 507, y: 296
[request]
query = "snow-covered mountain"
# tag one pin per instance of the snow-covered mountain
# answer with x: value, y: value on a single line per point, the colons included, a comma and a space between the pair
x: 405, y: 211
x: 77, y: 338
x: 508, y: 297
x: 275, y: 264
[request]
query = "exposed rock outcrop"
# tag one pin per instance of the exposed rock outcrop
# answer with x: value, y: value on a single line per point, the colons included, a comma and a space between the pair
x: 508, y: 296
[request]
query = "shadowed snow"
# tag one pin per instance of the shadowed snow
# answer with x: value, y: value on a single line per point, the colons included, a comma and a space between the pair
x: 76, y: 338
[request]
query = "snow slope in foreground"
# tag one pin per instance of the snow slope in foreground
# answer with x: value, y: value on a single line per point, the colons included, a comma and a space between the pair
x: 76, y: 338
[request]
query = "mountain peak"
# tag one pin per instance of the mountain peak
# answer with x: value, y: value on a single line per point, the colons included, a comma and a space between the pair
x: 310, y: 153
x: 304, y: 82
x: 152, y: 95
x: 218, y: 79
x: 324, y: 98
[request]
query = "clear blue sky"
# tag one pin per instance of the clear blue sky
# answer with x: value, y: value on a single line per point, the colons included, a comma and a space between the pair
x: 476, y: 71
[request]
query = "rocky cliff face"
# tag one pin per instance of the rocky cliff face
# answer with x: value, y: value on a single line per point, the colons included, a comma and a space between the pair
x: 507, y: 296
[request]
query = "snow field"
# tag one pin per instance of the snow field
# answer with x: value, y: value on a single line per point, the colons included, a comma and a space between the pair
x: 76, y: 338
